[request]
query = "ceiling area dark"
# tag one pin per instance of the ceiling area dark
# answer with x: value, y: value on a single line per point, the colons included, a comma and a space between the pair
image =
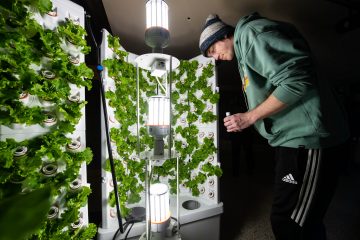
x: 186, y: 18
x: 332, y: 27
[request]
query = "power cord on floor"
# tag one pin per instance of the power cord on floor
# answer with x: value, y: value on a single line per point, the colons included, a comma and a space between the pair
x: 125, y: 225
x: 133, y: 221
x: 136, y: 215
x: 178, y: 222
x: 132, y: 224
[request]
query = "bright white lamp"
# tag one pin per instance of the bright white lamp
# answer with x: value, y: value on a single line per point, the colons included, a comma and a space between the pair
x: 159, y: 121
x: 157, y: 35
x: 159, y: 207
x: 157, y: 14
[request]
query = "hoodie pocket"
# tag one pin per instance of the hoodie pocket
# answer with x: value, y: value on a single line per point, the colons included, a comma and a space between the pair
x: 265, y: 128
x: 315, y: 120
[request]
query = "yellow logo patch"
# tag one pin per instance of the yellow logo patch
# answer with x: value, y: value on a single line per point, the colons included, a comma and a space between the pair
x: 245, y: 83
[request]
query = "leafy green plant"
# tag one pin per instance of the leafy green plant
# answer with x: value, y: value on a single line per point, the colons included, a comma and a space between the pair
x: 27, y: 50
x: 130, y: 174
x: 193, y: 154
x: 32, y: 208
x: 54, y: 228
x: 114, y: 44
x: 23, y: 47
x: 26, y: 169
x: 74, y: 33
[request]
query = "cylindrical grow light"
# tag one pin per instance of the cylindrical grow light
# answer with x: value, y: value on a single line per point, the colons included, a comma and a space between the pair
x: 157, y: 14
x: 159, y: 121
x: 157, y: 34
x: 158, y: 114
x: 159, y: 207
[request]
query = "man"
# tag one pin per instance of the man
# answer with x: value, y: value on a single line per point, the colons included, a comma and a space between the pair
x: 291, y: 109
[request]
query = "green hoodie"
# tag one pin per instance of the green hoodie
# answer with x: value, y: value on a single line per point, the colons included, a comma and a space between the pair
x: 273, y: 58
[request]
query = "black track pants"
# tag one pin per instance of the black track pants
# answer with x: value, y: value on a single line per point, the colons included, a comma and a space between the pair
x: 305, y: 181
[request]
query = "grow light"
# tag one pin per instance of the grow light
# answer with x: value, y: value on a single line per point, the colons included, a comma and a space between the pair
x: 159, y: 205
x: 157, y: 14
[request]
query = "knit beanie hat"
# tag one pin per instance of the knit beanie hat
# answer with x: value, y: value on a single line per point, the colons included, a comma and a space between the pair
x: 213, y: 31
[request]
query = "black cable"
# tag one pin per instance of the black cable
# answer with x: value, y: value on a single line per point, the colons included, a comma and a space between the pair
x: 179, y: 225
x: 102, y: 93
x: 116, y: 233
x: 125, y: 226
x: 118, y: 230
x: 132, y: 224
x: 90, y: 29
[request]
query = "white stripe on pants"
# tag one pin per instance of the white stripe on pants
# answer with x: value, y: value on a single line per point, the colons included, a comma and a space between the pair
x: 308, y: 187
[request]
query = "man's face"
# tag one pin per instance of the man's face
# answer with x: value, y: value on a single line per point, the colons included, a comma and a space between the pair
x: 222, y: 50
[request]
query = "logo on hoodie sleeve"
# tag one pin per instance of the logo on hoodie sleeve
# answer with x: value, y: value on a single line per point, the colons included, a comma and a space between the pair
x: 245, y: 79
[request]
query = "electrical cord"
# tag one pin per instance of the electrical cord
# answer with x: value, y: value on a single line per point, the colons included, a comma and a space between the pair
x: 102, y: 93
x: 125, y: 225
x: 178, y: 222
x: 118, y: 230
x: 116, y: 233
x: 132, y: 224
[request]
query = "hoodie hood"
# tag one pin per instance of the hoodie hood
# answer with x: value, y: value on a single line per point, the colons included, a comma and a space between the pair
x: 240, y: 26
x: 248, y: 18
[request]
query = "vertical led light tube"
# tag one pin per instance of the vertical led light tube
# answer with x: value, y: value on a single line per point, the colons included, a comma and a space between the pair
x: 158, y: 114
x: 157, y: 14
x: 148, y: 14
x: 159, y: 203
x: 153, y: 14
x: 165, y: 17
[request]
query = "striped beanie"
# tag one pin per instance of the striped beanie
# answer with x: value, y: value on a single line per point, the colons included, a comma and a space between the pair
x: 213, y: 31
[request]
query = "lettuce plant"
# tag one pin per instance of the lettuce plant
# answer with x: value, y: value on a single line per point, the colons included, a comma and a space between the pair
x: 130, y: 173
x: 33, y: 62
x: 74, y: 33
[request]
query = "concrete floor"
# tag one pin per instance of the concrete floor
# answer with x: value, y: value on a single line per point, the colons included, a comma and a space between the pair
x: 247, y: 198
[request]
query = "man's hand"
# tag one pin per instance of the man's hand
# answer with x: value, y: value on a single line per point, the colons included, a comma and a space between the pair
x: 238, y: 122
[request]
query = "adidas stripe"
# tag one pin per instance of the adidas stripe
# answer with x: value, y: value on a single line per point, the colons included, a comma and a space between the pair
x: 308, y: 186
